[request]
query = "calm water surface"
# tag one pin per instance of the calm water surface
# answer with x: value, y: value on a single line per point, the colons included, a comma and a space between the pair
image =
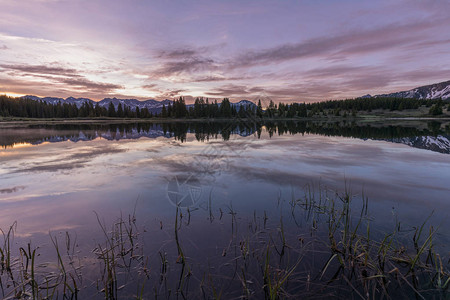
x: 53, y: 178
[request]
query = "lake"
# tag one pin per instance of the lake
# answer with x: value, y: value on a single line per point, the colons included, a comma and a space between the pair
x: 225, y: 187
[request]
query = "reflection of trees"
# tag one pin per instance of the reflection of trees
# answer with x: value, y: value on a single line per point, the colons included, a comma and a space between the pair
x: 204, y: 131
x: 434, y: 127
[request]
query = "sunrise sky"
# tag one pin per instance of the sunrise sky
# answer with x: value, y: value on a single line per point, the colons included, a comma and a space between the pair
x: 287, y: 50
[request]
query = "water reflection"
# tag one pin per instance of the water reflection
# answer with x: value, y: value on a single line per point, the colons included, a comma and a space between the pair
x: 434, y: 136
x: 249, y: 169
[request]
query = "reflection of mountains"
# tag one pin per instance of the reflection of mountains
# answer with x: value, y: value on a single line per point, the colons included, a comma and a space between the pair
x: 438, y: 143
x: 36, y: 135
x: 432, y: 137
x: 108, y: 135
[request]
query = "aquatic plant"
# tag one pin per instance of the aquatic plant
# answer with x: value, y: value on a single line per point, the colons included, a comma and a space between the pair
x: 320, y: 245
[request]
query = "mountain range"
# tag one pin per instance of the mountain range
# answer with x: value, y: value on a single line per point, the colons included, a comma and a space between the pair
x: 154, y: 106
x: 432, y: 91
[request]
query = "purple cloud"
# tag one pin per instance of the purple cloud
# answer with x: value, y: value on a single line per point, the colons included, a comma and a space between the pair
x: 310, y: 50
x: 351, y: 43
x: 67, y: 76
x: 40, y: 69
x: 188, y: 65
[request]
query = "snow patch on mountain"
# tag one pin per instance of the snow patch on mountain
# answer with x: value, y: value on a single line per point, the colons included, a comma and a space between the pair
x: 432, y: 91
x: 154, y: 106
x: 439, y: 143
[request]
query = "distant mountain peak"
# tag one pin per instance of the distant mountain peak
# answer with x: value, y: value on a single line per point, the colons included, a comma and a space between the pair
x: 431, y: 91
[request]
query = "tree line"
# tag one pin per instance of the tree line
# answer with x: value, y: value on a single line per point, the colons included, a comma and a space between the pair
x: 203, y: 108
x: 369, y: 104
x: 27, y: 108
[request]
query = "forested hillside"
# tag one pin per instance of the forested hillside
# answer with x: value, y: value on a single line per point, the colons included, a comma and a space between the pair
x: 29, y: 108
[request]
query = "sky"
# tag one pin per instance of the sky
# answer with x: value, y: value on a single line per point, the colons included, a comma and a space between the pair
x: 284, y: 50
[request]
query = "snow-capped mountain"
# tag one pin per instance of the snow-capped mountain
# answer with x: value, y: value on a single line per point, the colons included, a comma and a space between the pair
x: 152, y: 105
x: 432, y: 91
x: 438, y: 143
x: 242, y: 103
x: 49, y: 100
x: 53, y: 100
x: 78, y: 101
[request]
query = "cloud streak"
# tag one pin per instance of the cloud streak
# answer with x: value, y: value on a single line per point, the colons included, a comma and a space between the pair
x: 187, y: 65
x: 70, y: 78
x: 71, y: 161
x: 41, y: 70
x: 12, y: 190
x: 88, y: 84
x: 352, y: 43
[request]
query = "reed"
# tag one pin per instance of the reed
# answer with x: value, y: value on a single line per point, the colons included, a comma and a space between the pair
x: 321, y: 245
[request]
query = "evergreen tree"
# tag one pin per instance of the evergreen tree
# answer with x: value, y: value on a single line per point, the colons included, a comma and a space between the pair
x: 179, y: 107
x: 259, y: 110
x: 197, y: 113
x: 170, y: 113
x: 435, y: 110
x: 225, y: 108
x: 302, y: 110
x: 111, y: 110
x: 138, y: 112
x: 271, y: 109
x: 120, y: 113
x: 98, y: 110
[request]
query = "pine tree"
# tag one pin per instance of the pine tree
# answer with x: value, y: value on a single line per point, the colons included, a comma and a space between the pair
x: 120, y: 113
x: 170, y: 113
x: 111, y: 110
x: 138, y: 112
x: 435, y: 110
x: 98, y: 110
x: 225, y: 108
x: 302, y: 110
x: 259, y: 110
